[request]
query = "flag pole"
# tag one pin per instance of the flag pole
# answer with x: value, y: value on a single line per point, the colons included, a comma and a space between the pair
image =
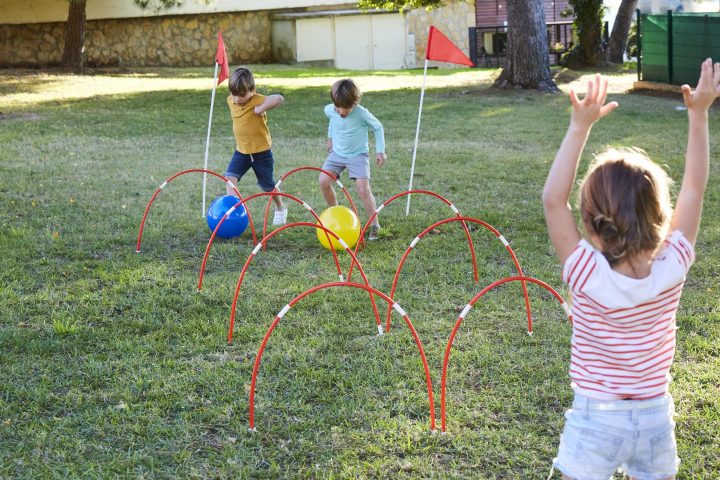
x: 417, y: 136
x: 207, y: 141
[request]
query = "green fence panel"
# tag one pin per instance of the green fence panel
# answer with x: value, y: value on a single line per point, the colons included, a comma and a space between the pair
x: 654, y: 34
x: 655, y: 49
x: 694, y: 38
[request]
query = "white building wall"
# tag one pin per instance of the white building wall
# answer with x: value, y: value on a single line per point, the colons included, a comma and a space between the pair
x: 38, y: 11
x: 389, y: 42
x: 661, y: 6
x: 353, y: 48
x: 283, y: 37
x: 348, y: 39
x: 315, y: 39
x: 686, y: 6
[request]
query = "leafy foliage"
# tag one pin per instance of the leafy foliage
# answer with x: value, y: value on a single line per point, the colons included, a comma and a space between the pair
x: 632, y: 45
x: 589, y: 51
x: 398, y: 4
x: 157, y: 5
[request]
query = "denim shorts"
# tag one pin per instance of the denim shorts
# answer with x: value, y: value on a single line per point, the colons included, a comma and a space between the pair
x: 261, y: 163
x: 636, y: 435
x: 358, y: 166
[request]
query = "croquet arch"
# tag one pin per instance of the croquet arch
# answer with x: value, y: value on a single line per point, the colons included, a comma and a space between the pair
x: 311, y: 290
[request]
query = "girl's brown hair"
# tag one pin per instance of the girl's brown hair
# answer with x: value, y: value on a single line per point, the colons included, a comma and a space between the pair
x: 345, y: 94
x: 241, y: 82
x: 625, y: 201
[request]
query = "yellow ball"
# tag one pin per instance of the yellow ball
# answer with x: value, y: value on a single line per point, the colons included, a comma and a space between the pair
x: 343, y: 222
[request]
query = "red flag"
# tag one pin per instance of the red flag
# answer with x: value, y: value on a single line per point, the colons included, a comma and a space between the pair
x: 221, y: 59
x: 440, y: 48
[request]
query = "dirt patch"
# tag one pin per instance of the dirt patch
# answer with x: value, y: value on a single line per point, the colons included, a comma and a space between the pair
x: 566, y: 76
x: 19, y: 116
x: 669, y: 95
x: 656, y: 93
x: 565, y: 79
x: 490, y: 91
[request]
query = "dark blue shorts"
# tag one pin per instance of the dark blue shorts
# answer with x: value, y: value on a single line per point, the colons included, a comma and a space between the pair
x: 261, y: 163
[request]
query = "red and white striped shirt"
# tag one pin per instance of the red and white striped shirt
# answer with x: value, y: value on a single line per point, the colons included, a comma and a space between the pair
x: 623, y: 339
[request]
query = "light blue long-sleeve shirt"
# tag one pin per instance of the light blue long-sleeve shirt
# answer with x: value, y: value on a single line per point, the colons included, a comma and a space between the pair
x: 349, y: 135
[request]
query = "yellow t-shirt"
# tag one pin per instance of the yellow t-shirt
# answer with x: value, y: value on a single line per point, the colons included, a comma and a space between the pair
x: 250, y: 130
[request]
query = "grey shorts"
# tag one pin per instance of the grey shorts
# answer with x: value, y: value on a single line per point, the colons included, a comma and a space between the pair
x: 358, y: 167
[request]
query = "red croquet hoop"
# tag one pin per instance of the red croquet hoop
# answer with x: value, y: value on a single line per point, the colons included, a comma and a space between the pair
x: 372, y: 291
x: 252, y: 255
x: 251, y: 197
x: 426, y: 192
x: 277, y: 187
x: 166, y: 182
x: 463, y: 220
x: 462, y: 316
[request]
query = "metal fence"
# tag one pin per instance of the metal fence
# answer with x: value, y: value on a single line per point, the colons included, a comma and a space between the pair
x: 671, y: 46
x: 488, y: 44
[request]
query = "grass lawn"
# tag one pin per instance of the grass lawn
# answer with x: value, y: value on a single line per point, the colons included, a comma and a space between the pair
x: 113, y: 365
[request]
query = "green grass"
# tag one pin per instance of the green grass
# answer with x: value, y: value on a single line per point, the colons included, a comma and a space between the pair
x: 114, y: 366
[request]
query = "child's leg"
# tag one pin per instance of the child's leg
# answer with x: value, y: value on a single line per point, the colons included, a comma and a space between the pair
x: 228, y: 189
x: 239, y: 165
x: 326, y: 187
x: 362, y: 186
x: 262, y: 164
x: 335, y: 165
x: 278, y: 203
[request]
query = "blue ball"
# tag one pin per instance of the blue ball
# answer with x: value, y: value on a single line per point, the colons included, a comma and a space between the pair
x: 235, y: 224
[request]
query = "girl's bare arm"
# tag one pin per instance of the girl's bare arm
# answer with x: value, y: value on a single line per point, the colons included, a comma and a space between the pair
x: 563, y: 231
x: 688, y: 209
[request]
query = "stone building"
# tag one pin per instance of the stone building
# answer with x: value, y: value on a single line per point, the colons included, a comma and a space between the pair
x: 120, y: 33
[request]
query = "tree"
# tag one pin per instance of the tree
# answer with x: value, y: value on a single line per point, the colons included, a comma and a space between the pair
x: 620, y: 30
x: 397, y: 4
x: 74, y: 36
x: 527, y: 63
x: 72, y: 57
x: 589, y: 50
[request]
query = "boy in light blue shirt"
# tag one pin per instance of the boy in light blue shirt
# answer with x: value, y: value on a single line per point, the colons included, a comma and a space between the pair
x: 347, y: 146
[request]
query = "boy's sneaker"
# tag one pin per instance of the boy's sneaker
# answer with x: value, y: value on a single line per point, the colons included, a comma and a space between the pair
x: 280, y: 217
x: 374, y: 233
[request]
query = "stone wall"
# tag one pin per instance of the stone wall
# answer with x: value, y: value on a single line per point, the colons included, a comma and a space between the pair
x: 31, y: 45
x: 184, y: 40
x: 190, y: 40
x: 453, y: 20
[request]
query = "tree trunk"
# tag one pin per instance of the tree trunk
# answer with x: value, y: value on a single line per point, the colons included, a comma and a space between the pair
x: 74, y: 36
x: 621, y: 27
x: 527, y: 64
x: 589, y: 51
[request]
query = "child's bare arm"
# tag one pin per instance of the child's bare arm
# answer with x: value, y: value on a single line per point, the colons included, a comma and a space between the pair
x: 563, y: 230
x: 688, y: 209
x: 271, y: 101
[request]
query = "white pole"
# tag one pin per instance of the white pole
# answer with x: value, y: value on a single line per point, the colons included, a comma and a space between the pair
x: 417, y: 136
x: 207, y: 142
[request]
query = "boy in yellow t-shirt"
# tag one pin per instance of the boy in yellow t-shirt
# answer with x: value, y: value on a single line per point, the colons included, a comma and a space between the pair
x: 252, y: 137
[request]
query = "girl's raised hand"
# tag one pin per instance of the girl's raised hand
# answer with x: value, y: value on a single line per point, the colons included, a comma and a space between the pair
x: 708, y: 87
x: 592, y: 107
